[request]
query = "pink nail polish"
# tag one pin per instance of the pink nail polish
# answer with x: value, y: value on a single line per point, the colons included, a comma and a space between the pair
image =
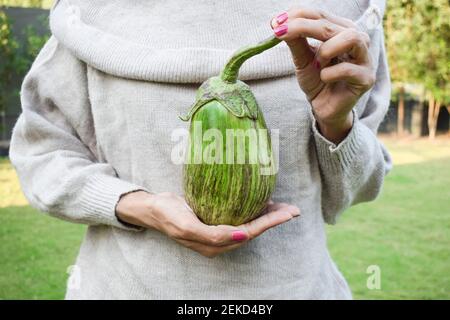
x: 281, y: 30
x: 282, y: 18
x: 239, y: 236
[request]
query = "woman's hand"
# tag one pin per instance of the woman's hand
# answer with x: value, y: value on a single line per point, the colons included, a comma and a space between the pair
x: 334, y: 75
x: 170, y: 214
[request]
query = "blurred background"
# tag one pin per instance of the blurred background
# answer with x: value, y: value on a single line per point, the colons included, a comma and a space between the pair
x: 404, y: 235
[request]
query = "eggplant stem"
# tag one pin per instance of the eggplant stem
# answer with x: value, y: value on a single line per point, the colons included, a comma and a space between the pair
x: 230, y: 72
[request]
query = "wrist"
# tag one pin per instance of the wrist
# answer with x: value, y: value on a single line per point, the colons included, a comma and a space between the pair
x: 335, y: 129
x: 132, y: 208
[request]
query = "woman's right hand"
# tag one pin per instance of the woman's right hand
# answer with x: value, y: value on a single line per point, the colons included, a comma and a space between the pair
x: 170, y: 214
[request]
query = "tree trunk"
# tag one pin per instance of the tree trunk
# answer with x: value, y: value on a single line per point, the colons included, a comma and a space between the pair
x: 437, y: 108
x: 433, y: 114
x: 401, y: 112
x: 448, y: 110
x: 417, y: 118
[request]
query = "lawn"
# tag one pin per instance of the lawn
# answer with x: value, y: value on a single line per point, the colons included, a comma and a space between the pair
x: 35, y: 249
x: 406, y: 233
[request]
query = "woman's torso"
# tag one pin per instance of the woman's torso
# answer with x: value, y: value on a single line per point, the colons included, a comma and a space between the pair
x: 289, y: 261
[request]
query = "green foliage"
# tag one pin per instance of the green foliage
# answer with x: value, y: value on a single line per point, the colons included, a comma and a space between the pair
x: 33, y: 44
x: 17, y: 57
x: 398, y: 48
x: 27, y: 3
x: 418, y: 44
x: 8, y: 51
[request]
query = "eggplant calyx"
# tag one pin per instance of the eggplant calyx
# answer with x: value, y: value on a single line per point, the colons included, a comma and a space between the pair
x: 236, y: 97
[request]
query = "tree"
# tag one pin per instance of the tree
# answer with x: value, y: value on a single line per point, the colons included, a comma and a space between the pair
x: 26, y: 3
x: 399, y: 51
x: 433, y: 56
x: 8, y: 50
x: 15, y: 60
x: 418, y: 44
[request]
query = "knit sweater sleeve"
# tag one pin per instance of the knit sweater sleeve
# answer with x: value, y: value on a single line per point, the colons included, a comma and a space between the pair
x: 53, y: 146
x: 353, y: 171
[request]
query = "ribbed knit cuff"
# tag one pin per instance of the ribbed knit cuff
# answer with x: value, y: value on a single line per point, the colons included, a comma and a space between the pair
x: 337, y: 157
x: 100, y: 197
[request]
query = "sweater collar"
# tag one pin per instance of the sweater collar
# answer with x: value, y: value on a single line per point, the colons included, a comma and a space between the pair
x: 157, y: 41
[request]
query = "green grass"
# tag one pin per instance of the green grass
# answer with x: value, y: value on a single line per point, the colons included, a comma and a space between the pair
x: 406, y: 232
x: 35, y: 252
x: 35, y: 249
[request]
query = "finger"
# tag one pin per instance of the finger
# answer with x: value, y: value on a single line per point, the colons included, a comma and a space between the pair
x: 295, y: 32
x: 217, y: 236
x: 300, y: 27
x: 355, y: 75
x: 256, y: 227
x: 302, y: 54
x: 281, y: 205
x: 268, y: 204
x: 206, y: 250
x: 188, y: 208
x: 316, y: 14
x: 351, y: 42
x: 309, y: 13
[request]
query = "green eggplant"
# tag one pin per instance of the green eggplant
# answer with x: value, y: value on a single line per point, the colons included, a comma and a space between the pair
x: 229, y: 173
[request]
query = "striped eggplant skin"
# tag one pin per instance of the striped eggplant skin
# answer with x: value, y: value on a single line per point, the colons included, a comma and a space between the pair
x: 226, y: 192
x: 229, y: 173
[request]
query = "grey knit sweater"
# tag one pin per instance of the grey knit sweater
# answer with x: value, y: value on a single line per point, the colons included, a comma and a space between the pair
x: 100, y: 104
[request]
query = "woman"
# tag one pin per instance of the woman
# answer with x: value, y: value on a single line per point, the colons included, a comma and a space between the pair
x: 93, y: 144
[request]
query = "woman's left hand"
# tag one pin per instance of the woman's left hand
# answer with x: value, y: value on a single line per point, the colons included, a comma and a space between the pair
x: 334, y: 75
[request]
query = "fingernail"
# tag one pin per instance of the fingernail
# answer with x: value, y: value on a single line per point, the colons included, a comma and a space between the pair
x: 280, y: 30
x: 239, y: 236
x: 282, y: 18
x: 272, y: 23
x: 296, y: 213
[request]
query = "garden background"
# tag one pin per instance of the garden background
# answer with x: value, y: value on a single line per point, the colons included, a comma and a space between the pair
x: 405, y: 234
